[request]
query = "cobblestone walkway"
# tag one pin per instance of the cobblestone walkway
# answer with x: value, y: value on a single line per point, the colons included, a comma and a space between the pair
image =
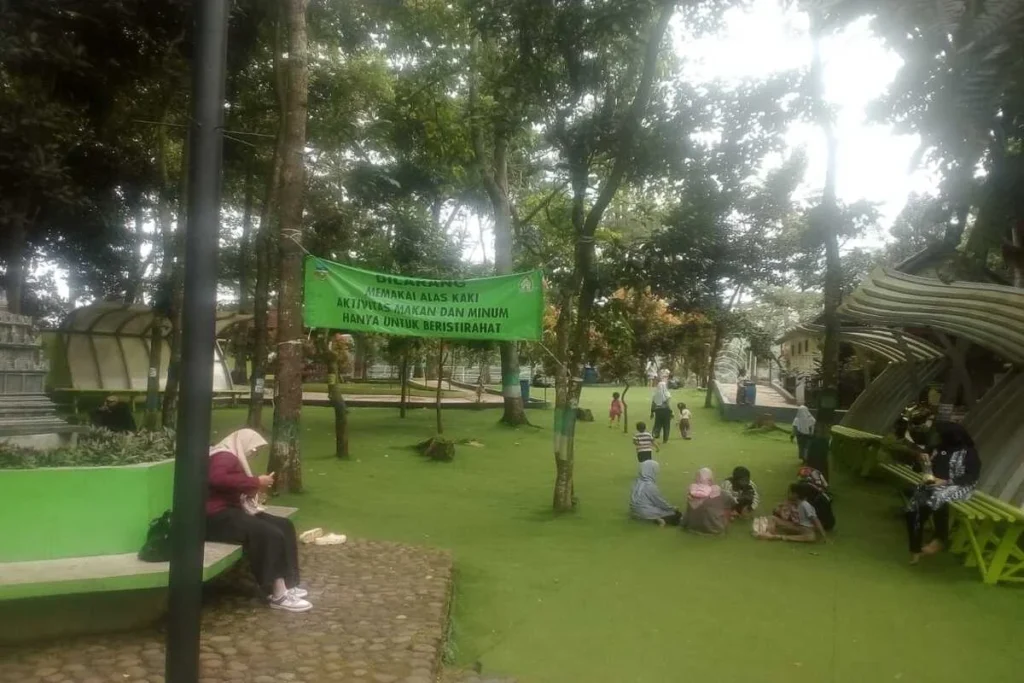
x: 380, y: 615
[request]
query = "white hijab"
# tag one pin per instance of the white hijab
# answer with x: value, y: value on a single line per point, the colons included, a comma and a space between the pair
x: 804, y: 421
x: 242, y: 444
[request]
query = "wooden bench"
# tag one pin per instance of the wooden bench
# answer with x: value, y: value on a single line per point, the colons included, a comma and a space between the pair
x: 105, y: 573
x: 854, y: 449
x: 984, y: 529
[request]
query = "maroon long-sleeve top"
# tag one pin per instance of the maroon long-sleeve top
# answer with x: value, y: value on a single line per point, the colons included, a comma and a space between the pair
x: 227, y: 483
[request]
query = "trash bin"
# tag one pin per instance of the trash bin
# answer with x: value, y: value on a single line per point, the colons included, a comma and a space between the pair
x: 751, y: 393
x: 524, y: 388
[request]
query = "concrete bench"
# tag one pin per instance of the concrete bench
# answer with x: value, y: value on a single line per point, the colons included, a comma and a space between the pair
x: 984, y: 529
x: 107, y: 573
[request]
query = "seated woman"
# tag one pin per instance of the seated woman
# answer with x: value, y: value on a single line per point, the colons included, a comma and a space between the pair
x: 951, y: 472
x: 233, y: 515
x: 708, y: 507
x: 793, y: 520
x: 646, y: 501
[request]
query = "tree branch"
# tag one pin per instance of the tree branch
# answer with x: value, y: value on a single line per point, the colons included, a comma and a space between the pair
x: 542, y: 205
x: 631, y: 124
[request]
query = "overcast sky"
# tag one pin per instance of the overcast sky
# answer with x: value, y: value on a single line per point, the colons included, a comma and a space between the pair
x: 873, y: 162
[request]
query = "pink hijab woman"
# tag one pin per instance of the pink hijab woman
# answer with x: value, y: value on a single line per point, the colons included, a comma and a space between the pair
x: 234, y: 515
x: 707, y: 506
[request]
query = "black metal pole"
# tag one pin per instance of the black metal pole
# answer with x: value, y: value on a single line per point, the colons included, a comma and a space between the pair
x: 198, y: 339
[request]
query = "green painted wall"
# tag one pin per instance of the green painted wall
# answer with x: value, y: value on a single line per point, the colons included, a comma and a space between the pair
x: 49, y: 513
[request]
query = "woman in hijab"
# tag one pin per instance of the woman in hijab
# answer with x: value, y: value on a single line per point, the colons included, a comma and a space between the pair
x: 708, y: 507
x: 950, y: 474
x: 803, y: 431
x: 661, y: 408
x: 646, y: 501
x: 234, y: 515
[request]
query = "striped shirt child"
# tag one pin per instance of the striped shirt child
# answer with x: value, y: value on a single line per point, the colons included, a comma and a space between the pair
x: 644, y: 442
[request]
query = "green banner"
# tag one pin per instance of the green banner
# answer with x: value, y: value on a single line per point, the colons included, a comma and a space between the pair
x: 508, y: 307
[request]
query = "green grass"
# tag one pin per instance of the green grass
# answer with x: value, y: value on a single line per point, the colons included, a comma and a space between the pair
x: 594, y: 597
x: 376, y: 389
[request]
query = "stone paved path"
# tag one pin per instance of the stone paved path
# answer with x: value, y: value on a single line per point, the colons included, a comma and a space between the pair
x: 380, y: 616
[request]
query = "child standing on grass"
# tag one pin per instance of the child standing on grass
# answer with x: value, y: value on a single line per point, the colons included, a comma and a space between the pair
x: 615, y: 411
x: 684, y: 421
x: 644, y: 442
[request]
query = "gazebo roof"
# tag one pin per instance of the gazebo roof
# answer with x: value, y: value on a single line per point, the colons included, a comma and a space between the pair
x: 991, y: 316
x: 129, y: 320
x: 893, y: 345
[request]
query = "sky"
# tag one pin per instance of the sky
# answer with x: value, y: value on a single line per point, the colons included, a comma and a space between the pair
x: 873, y: 162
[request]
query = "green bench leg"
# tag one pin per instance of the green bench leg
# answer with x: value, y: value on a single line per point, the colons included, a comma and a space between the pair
x: 959, y: 543
x: 1007, y: 547
x: 976, y: 557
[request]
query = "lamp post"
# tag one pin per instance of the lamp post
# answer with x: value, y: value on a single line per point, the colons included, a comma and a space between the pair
x: 198, y: 331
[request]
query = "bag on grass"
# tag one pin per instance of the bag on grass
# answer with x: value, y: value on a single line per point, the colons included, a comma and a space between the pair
x: 157, y: 547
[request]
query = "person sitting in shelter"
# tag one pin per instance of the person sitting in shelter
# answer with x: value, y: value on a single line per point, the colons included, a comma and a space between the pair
x: 114, y: 415
x: 646, y: 501
x: 708, y: 506
x: 951, y: 472
x: 233, y: 515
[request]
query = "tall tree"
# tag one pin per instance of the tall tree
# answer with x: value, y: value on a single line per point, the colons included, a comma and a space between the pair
x: 285, y: 456
x: 824, y: 219
x: 579, y: 141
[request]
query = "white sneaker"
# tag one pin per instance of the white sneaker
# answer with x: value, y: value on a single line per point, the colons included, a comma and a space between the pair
x: 310, y: 535
x: 297, y: 592
x: 331, y: 539
x: 290, y: 603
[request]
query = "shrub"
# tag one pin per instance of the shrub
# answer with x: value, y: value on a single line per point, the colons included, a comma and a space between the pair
x: 96, y: 448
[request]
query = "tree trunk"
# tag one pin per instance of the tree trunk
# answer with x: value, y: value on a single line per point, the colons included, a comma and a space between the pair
x: 572, y: 334
x: 133, y: 287
x: 437, y: 393
x: 240, y: 376
x: 261, y: 294
x: 828, y: 396
x: 14, y: 278
x: 176, y: 287
x: 151, y: 421
x: 1016, y: 261
x: 716, y: 348
x: 337, y: 398
x: 625, y: 410
x: 403, y: 383
x: 285, y: 456
x: 494, y: 172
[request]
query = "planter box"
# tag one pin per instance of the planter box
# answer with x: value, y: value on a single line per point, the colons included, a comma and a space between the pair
x: 59, y: 512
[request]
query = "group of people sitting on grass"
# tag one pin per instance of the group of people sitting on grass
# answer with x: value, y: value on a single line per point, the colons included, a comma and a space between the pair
x: 805, y: 516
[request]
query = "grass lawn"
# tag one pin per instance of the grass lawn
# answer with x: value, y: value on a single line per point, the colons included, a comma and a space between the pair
x: 594, y: 597
x: 376, y: 389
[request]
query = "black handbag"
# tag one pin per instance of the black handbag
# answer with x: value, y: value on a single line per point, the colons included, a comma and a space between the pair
x: 157, y: 547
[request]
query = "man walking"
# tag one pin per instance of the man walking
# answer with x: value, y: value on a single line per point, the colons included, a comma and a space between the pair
x: 661, y: 408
